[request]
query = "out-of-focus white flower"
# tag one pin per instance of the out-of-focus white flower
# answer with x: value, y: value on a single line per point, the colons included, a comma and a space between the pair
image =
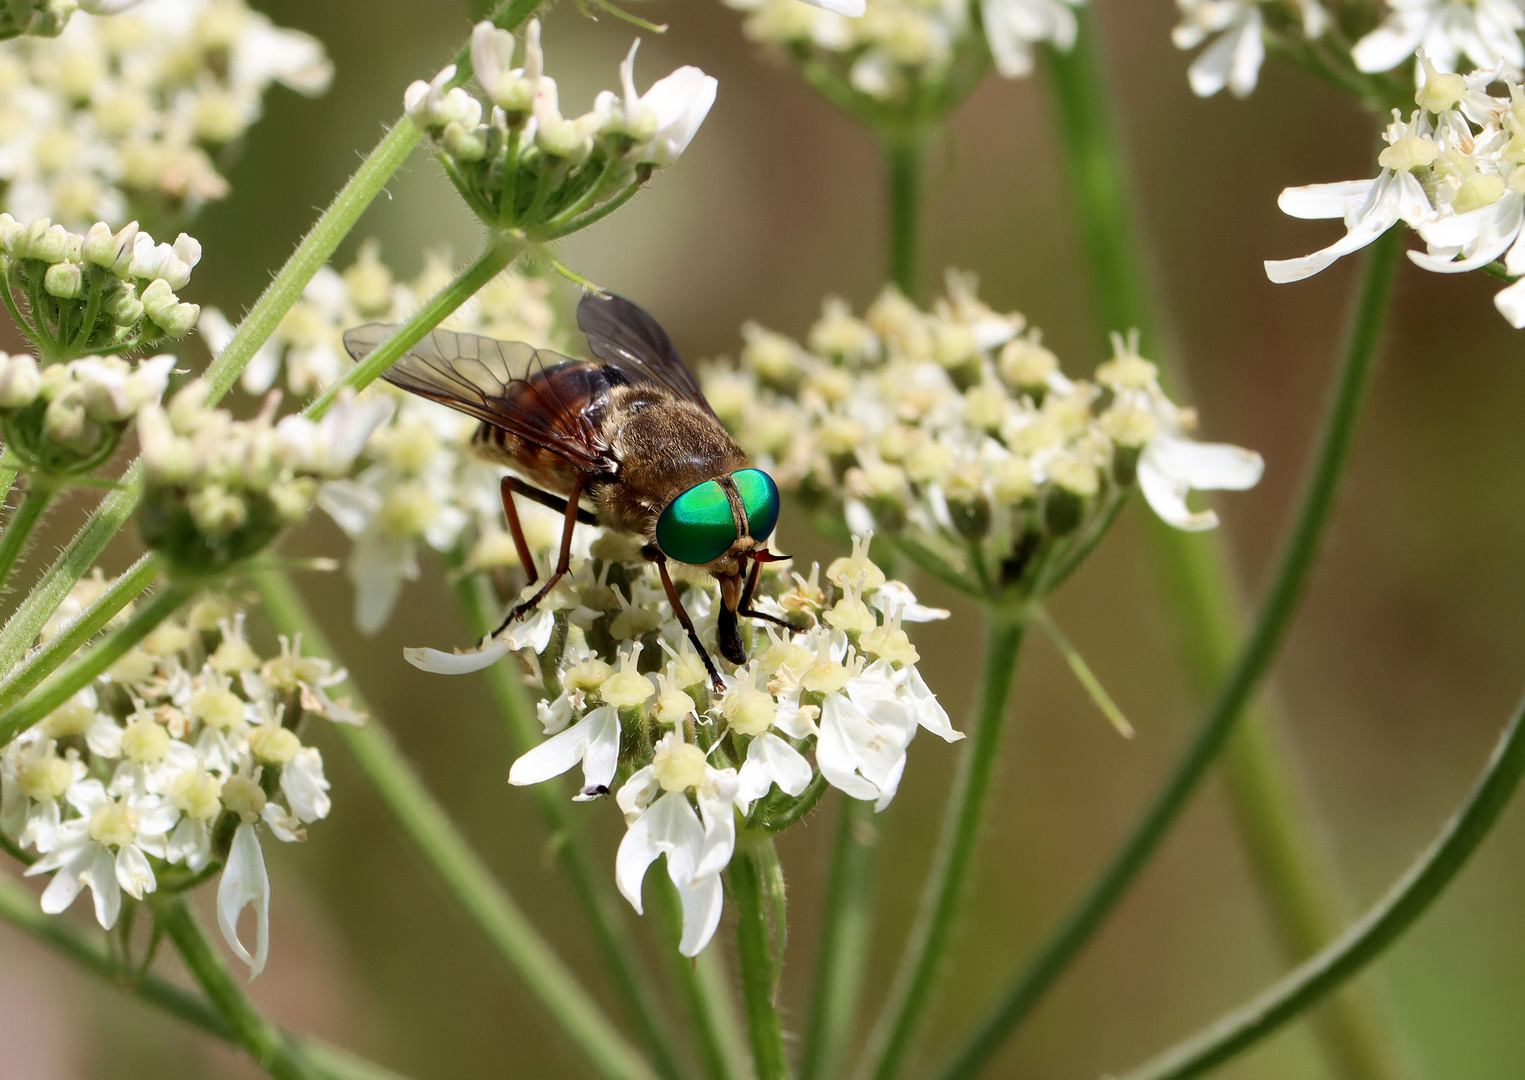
x: 1013, y: 27
x: 1484, y: 32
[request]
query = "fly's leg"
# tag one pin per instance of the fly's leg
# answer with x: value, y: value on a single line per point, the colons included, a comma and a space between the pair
x: 688, y: 624
x: 517, y: 531
x: 546, y: 499
x: 745, y: 607
x: 562, y: 564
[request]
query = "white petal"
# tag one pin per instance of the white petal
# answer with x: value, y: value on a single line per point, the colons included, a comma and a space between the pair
x: 703, y: 901
x: 443, y: 663
x: 104, y: 889
x: 305, y: 786
x: 602, y: 756
x: 1249, y: 54
x: 1511, y: 304
x: 244, y: 882
x: 928, y: 710
x: 560, y: 752
x: 67, y: 882
x: 1387, y: 46
x: 850, y: 8
x: 133, y: 872
x: 717, y: 801
x: 666, y: 826
x: 834, y: 752
x: 771, y: 760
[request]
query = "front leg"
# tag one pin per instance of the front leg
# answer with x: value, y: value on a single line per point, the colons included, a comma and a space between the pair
x: 687, y: 623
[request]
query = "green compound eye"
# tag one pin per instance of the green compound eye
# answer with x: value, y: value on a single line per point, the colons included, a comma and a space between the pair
x: 759, y: 494
x: 697, y: 526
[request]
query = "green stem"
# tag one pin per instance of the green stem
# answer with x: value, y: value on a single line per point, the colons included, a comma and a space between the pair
x: 706, y: 993
x: 1366, y: 939
x: 906, y: 1006
x: 754, y: 947
x: 83, y: 671
x: 10, y: 466
x: 459, y: 867
x: 68, y: 641
x: 22, y: 522
x: 270, y: 1050
x: 1203, y: 600
x: 843, y: 950
x: 610, y: 928
x: 902, y: 172
x: 495, y: 257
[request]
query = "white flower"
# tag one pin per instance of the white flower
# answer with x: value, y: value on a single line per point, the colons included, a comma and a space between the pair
x: 1485, y: 32
x: 1234, y: 57
x: 329, y: 447
x: 771, y: 760
x: 1172, y: 466
x: 1368, y: 207
x: 594, y: 741
x: 1467, y: 241
x: 662, y: 821
x: 83, y: 850
x: 667, y: 117
x: 850, y: 8
x: 1013, y: 27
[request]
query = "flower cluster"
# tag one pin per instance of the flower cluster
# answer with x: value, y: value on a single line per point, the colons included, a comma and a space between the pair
x: 420, y: 486
x: 67, y: 419
x: 169, y: 768
x: 133, y: 115
x: 218, y: 490
x: 1452, y: 172
x: 628, y: 699
x: 953, y: 434
x: 1457, y: 35
x: 103, y: 291
x: 528, y: 167
x: 903, y: 51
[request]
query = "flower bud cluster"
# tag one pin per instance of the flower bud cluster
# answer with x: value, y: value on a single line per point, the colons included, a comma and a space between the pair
x: 171, y: 767
x: 134, y: 114
x: 521, y: 164
x: 954, y: 434
x: 104, y: 291
x: 832, y: 696
x: 67, y: 419
x: 912, y: 53
x: 218, y: 490
x: 41, y: 18
x: 420, y: 484
x: 1454, y: 172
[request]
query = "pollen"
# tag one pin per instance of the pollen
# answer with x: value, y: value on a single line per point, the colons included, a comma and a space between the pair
x: 145, y: 741
x: 678, y: 766
x: 44, y: 778
x: 197, y: 794
x: 114, y: 824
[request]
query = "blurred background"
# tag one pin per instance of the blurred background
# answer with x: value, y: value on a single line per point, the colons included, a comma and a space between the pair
x: 1398, y: 676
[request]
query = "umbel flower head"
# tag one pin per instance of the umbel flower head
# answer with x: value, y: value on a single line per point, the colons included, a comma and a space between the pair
x: 105, y: 291
x: 218, y: 490
x: 834, y: 698
x: 170, y: 768
x: 907, y: 52
x: 954, y: 435
x: 1452, y: 172
x: 523, y: 165
x: 134, y: 113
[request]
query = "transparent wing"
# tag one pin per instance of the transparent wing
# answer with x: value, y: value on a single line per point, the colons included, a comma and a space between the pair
x: 624, y: 336
x: 536, y: 394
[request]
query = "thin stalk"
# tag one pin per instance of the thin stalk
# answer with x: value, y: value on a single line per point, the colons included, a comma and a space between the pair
x: 459, y: 867
x: 495, y: 257
x: 10, y: 465
x: 902, y: 173
x: 843, y: 951
x: 19, y: 529
x: 611, y: 930
x: 83, y: 671
x: 68, y: 641
x: 1277, y: 609
x: 712, y: 1013
x: 314, y: 250
x: 19, y: 907
x: 1296, y: 879
x: 1366, y: 939
x: 754, y: 948
x: 906, y: 1006
x: 260, y: 1039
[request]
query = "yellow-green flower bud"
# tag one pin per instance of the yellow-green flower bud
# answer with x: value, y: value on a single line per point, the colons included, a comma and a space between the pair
x: 678, y: 766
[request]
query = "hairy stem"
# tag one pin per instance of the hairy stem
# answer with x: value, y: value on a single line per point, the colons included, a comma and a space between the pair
x: 903, y: 177
x: 919, y: 965
x: 73, y: 636
x: 19, y: 529
x: 260, y: 1039
x: 759, y: 972
x: 706, y: 991
x: 83, y: 671
x: 495, y: 257
x: 610, y: 927
x: 843, y: 950
x: 459, y: 867
x: 1366, y: 939
x: 1202, y: 610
